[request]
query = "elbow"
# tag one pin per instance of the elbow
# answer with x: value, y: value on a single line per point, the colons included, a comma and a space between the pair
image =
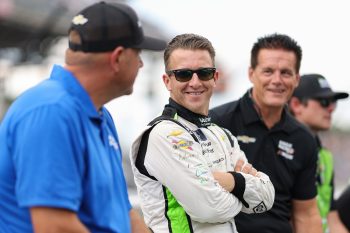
x: 219, y: 211
x: 259, y: 194
x: 215, y: 216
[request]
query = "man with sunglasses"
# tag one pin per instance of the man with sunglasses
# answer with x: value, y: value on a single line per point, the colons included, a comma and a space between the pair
x: 312, y: 104
x: 273, y: 141
x: 190, y: 174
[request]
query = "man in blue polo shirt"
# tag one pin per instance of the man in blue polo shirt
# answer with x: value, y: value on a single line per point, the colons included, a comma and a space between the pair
x: 60, y: 159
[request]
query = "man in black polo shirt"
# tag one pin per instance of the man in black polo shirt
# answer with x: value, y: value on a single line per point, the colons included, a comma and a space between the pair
x: 273, y: 141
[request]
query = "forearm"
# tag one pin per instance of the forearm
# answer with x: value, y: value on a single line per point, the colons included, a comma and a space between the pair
x: 255, y: 192
x: 335, y: 224
x: 312, y: 224
x: 56, y: 220
x: 258, y: 192
x: 306, y: 217
x: 137, y: 223
x: 225, y: 180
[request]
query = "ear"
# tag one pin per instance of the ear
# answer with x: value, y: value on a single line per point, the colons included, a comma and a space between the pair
x: 116, y: 57
x: 297, y: 80
x: 250, y: 74
x: 295, y: 105
x: 216, y: 77
x: 167, y: 81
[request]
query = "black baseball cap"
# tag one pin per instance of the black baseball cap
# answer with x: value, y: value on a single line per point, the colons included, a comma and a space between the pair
x: 316, y: 86
x: 104, y: 26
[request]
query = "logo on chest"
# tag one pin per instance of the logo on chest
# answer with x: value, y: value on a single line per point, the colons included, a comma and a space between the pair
x: 285, y: 149
x: 246, y: 139
x: 177, y: 142
x: 207, y: 147
x: 112, y: 142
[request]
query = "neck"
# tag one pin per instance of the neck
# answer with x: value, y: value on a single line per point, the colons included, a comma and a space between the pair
x: 270, y: 116
x: 90, y: 81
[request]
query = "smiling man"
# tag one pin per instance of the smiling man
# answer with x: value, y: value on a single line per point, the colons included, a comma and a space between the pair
x: 190, y: 174
x: 273, y: 141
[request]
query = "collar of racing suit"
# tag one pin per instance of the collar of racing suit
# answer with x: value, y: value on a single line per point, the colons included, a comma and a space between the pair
x: 174, y: 108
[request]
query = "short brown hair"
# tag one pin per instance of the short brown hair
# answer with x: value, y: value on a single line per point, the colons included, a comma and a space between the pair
x: 276, y: 41
x: 188, y: 41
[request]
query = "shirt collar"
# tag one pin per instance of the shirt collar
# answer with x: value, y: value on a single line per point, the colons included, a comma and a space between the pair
x: 74, y: 88
x: 251, y: 115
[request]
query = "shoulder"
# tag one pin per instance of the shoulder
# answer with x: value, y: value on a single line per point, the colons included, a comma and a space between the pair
x: 168, y: 128
x: 299, y: 129
x: 47, y: 93
x: 224, y: 109
x: 223, y: 115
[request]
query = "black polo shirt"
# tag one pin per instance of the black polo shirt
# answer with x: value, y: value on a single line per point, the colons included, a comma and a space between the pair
x: 287, y: 153
x: 343, y: 204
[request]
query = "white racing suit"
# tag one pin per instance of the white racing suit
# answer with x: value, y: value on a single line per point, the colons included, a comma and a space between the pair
x: 175, y: 185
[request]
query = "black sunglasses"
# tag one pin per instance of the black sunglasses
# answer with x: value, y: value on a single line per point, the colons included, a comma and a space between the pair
x: 185, y: 75
x: 325, y: 102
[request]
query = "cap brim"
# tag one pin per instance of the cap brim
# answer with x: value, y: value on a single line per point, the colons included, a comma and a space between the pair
x: 151, y: 43
x: 331, y: 94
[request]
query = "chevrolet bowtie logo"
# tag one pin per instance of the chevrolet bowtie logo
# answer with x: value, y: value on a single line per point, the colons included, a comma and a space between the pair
x: 246, y: 139
x: 79, y: 20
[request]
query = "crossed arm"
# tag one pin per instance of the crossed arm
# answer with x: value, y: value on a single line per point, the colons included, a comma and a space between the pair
x: 227, y: 181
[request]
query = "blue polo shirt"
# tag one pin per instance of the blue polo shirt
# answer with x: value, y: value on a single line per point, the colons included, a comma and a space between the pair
x: 57, y: 150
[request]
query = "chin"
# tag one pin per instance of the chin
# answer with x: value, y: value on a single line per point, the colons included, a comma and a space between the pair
x: 128, y: 92
x: 276, y: 104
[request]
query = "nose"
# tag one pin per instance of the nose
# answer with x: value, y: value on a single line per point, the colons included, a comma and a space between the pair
x: 140, y: 62
x: 195, y: 81
x: 276, y: 77
x: 332, y: 107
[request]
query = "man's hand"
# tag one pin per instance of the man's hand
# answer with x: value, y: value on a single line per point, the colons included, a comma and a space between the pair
x: 225, y: 179
x: 137, y: 223
x: 246, y: 168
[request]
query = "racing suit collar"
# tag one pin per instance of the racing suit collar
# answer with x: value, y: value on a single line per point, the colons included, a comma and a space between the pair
x: 195, y: 118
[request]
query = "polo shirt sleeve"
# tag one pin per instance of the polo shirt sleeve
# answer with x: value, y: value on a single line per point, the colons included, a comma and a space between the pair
x: 47, y: 157
x: 305, y: 182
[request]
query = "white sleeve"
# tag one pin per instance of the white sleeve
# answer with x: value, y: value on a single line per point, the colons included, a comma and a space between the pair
x: 259, y: 192
x: 175, y: 159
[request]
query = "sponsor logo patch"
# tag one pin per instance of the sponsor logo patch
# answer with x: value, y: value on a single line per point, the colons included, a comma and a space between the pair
x: 175, y: 133
x: 260, y: 208
x: 246, y: 139
x: 286, y: 150
x: 201, y: 173
x: 323, y: 83
x: 112, y: 142
x: 182, y: 144
x: 79, y: 20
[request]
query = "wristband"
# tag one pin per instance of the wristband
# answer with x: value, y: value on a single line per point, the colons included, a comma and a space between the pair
x: 239, y: 188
